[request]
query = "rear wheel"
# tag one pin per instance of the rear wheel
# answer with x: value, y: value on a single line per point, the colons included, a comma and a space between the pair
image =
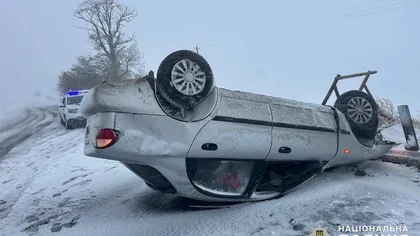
x: 67, y: 125
x: 361, y: 112
x: 184, y: 79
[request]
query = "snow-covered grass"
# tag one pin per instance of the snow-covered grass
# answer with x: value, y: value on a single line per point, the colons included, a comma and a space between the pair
x: 47, y: 184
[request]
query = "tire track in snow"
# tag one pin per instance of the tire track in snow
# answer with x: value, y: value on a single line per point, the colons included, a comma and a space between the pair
x: 25, y: 195
x: 37, y: 127
x: 33, y: 122
x: 14, y: 126
x: 14, y: 123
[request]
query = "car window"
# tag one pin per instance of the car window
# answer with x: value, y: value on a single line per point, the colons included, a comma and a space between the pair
x: 74, y: 100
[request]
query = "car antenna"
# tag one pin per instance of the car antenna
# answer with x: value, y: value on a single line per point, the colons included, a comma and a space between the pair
x: 196, y: 48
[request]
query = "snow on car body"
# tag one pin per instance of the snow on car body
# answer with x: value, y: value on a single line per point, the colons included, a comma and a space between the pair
x: 228, y: 146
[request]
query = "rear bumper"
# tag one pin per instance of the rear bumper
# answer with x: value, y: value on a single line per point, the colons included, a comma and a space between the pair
x: 79, y: 121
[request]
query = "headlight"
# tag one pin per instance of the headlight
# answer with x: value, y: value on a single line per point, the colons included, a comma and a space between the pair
x: 72, y: 110
x: 220, y: 177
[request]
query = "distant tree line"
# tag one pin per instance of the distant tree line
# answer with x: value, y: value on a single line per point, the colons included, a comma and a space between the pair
x: 116, y: 56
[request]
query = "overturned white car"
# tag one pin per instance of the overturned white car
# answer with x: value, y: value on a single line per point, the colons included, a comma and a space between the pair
x: 182, y: 134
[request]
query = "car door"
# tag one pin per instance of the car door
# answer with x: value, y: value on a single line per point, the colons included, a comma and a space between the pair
x: 303, y: 133
x: 241, y: 129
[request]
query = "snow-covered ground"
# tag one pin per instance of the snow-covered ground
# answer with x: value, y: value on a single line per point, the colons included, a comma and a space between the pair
x: 11, y: 110
x: 395, y: 133
x: 47, y: 185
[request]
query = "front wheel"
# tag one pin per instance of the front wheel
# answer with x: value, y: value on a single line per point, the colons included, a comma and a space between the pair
x: 184, y: 79
x: 67, y: 125
x: 361, y: 112
x: 61, y: 121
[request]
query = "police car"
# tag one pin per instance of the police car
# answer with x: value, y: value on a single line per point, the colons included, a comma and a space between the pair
x: 69, y: 114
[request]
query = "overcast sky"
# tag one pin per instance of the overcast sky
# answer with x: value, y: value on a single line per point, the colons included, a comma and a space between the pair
x: 289, y: 49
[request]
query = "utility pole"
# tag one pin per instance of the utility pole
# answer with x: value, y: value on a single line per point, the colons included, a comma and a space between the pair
x: 196, y: 48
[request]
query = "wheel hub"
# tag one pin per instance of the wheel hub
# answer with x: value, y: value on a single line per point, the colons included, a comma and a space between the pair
x: 188, y: 78
x: 359, y: 110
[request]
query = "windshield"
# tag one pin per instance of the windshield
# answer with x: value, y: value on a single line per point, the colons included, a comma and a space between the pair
x: 74, y: 100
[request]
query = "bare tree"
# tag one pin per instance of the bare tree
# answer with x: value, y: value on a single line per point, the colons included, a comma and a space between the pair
x: 387, y: 107
x: 105, y: 20
x: 85, y: 74
x: 416, y: 119
x: 387, y: 110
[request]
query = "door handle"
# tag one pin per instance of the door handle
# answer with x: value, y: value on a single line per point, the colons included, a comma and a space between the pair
x: 209, y: 147
x: 285, y: 150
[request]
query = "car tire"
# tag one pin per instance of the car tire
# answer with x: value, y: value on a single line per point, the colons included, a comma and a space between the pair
x: 67, y: 125
x: 184, y: 79
x: 361, y: 112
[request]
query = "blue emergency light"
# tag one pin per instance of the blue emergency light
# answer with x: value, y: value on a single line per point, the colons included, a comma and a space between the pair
x: 75, y: 93
x: 72, y: 93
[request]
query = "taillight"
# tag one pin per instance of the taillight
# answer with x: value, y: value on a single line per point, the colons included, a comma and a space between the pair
x: 106, y: 138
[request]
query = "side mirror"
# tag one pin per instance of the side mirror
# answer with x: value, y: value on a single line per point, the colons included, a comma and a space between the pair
x: 61, y: 105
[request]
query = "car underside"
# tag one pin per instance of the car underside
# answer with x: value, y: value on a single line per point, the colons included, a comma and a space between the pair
x: 183, y: 135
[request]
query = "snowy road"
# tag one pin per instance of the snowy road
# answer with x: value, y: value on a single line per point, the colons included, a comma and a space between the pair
x: 48, y: 187
x: 23, y: 127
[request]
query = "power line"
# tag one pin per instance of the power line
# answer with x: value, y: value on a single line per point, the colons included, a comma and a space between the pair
x: 333, y: 11
x: 309, y: 17
x: 302, y: 26
x: 328, y: 20
x: 352, y: 16
x: 355, y: 15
